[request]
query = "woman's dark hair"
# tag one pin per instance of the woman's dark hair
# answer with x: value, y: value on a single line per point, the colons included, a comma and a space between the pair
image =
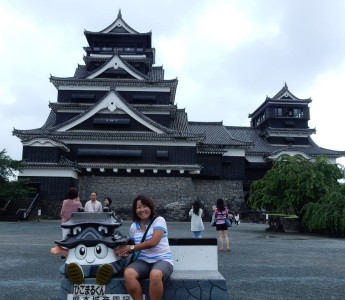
x: 220, y: 204
x: 109, y: 200
x: 145, y: 200
x: 72, y: 193
x: 196, y: 207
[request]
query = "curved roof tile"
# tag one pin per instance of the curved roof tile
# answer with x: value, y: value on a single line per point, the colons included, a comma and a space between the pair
x: 216, y: 134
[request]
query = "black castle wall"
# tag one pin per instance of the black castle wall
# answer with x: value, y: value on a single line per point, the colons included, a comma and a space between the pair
x: 41, y: 154
x: 52, y: 192
x: 176, y: 155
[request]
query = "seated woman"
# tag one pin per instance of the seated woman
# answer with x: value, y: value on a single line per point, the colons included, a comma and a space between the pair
x: 155, y: 259
x: 107, y: 204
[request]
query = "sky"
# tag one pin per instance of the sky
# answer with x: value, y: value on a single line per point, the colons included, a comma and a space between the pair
x: 227, y: 55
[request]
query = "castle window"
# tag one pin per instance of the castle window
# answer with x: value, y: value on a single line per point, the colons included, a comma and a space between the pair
x: 298, y: 112
x: 278, y: 112
x: 110, y: 153
x: 144, y: 98
x: 107, y: 49
x: 290, y: 140
x: 83, y: 98
x: 108, y: 121
x: 260, y: 119
x: 161, y: 154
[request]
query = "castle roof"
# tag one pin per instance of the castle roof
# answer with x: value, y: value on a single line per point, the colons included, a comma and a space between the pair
x: 284, y: 96
x: 260, y: 147
x: 118, y: 26
x: 216, y: 134
x: 112, y: 102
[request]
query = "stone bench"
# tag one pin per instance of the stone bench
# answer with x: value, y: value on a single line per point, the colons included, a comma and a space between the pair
x: 195, y: 276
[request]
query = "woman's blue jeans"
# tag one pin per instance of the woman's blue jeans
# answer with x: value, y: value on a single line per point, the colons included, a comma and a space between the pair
x: 197, y: 234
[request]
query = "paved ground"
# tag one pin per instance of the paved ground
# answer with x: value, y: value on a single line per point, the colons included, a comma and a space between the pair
x: 260, y: 265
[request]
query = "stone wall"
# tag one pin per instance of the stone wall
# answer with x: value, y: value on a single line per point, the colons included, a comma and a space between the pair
x: 173, y: 195
x: 208, y: 191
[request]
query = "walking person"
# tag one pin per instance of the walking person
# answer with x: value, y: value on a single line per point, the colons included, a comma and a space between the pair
x: 196, y: 223
x: 237, y: 218
x: 69, y: 206
x: 93, y: 205
x: 231, y: 218
x: 221, y: 213
x: 149, y: 235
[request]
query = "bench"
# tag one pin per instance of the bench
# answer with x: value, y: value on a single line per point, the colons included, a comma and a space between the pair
x: 195, y: 275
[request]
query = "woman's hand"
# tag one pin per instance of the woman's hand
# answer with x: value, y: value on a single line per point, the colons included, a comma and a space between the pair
x: 123, y: 251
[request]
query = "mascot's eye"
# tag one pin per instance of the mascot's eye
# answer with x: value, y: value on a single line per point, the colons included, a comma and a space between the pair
x: 101, y: 251
x: 80, y: 252
x: 76, y: 230
x: 103, y: 228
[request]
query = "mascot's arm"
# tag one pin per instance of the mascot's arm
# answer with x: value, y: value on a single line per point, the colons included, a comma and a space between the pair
x: 59, y: 250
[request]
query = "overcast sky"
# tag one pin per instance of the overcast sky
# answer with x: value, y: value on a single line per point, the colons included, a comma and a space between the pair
x: 227, y: 55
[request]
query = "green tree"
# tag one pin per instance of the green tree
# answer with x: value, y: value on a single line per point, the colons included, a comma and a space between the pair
x: 9, y: 187
x: 328, y: 214
x: 294, y: 182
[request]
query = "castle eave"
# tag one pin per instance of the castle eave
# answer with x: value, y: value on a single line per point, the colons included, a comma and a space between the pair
x: 142, y: 168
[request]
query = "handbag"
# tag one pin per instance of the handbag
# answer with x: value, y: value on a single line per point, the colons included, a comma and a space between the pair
x: 135, y: 254
x: 227, y: 221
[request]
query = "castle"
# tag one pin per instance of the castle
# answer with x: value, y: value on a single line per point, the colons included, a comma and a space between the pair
x: 115, y: 129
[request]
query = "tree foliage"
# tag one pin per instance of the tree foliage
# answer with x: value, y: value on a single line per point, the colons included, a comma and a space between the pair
x: 9, y: 187
x: 294, y: 182
x: 328, y: 214
x: 8, y: 167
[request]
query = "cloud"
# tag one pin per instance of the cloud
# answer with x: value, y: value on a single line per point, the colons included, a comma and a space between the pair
x: 327, y: 107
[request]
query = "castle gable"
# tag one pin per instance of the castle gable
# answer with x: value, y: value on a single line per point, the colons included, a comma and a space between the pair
x: 119, y: 26
x: 112, y: 103
x: 117, y: 64
x: 285, y: 95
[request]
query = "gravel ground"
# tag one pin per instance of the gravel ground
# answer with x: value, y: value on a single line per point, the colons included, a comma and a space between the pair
x: 260, y: 265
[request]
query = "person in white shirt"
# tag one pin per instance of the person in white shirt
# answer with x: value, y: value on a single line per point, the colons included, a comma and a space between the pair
x: 155, y: 259
x: 237, y: 218
x: 196, y: 219
x: 93, y: 205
